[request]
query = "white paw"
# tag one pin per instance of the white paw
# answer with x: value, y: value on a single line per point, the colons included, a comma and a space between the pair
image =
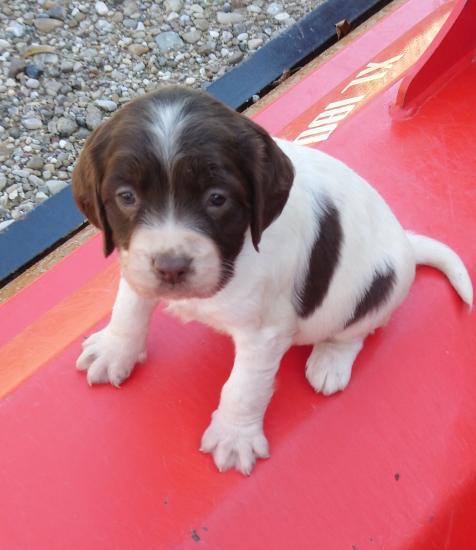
x: 329, y: 366
x: 110, y: 358
x: 234, y: 446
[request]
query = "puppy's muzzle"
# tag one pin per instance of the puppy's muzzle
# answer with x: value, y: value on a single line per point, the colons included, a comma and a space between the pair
x: 172, y: 269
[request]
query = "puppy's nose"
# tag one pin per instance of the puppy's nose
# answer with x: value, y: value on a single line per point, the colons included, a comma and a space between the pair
x: 172, y: 269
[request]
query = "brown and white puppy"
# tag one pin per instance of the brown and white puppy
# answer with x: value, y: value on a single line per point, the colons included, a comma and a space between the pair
x: 270, y: 242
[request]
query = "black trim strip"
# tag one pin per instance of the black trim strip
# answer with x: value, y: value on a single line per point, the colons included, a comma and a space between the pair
x: 294, y: 47
x: 27, y: 240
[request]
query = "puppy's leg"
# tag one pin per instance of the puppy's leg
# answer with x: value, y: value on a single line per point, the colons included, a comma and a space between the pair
x: 110, y: 354
x: 329, y: 366
x: 235, y: 436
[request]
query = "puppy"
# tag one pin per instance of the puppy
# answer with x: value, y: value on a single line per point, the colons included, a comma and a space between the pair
x: 272, y: 243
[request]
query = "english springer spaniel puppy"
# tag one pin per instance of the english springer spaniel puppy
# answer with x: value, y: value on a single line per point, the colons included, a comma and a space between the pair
x: 272, y: 243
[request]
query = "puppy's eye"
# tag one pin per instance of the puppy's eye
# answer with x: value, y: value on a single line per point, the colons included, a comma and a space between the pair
x: 126, y: 198
x: 216, y: 199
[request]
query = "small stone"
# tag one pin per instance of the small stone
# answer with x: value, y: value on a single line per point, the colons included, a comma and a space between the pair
x: 106, y: 105
x: 40, y: 196
x: 82, y: 133
x: 201, y: 24
x: 32, y: 83
x: 67, y: 66
x: 192, y: 36
x: 130, y: 24
x: 229, y: 18
x: 93, y: 117
x: 274, y: 8
x: 3, y: 182
x: 168, y: 41
x: 190, y: 80
x: 52, y: 87
x: 16, y: 66
x: 32, y: 123
x: 33, y: 71
x: 4, y: 44
x: 54, y: 186
x: 137, y: 49
x: 101, y: 8
x: 35, y: 163
x: 242, y: 37
x: 4, y: 152
x: 66, y: 126
x: 255, y: 43
x: 35, y: 180
x: 173, y: 5
x: 283, y: 16
x: 253, y: 8
x: 21, y: 173
x: 15, y: 29
x: 104, y: 26
x: 46, y: 24
x: 57, y: 12
x: 236, y: 57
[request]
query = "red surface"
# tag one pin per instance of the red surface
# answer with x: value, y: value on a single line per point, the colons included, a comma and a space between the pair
x: 388, y: 463
x: 452, y: 50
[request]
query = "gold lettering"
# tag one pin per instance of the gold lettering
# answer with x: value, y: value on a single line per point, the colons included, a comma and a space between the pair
x: 366, y: 76
x: 314, y: 135
x: 335, y: 111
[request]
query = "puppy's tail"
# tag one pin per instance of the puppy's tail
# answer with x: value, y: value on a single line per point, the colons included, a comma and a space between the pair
x: 436, y: 254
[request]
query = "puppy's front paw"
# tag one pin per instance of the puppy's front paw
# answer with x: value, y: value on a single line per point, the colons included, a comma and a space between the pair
x: 234, y: 446
x: 109, y: 358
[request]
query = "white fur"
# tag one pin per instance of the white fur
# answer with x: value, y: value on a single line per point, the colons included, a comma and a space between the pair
x: 171, y: 236
x: 256, y: 306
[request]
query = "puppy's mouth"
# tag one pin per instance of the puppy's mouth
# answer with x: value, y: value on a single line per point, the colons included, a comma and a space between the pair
x: 152, y: 287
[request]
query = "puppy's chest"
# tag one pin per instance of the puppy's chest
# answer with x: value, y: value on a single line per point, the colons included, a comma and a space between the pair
x: 200, y: 310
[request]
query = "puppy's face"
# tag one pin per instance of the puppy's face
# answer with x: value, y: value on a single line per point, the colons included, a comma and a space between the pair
x: 175, y: 180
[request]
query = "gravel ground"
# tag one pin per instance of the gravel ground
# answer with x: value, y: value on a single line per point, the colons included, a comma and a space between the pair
x: 65, y: 66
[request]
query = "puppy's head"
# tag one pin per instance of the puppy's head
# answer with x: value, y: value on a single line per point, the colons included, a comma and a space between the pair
x: 175, y: 180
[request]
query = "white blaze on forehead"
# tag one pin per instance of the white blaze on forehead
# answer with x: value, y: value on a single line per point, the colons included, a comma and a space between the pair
x: 168, y: 121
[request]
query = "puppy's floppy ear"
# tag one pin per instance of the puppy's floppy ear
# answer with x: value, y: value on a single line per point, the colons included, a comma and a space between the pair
x: 270, y: 174
x: 86, y: 184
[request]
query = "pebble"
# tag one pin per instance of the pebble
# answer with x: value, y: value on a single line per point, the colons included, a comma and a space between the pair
x: 16, y: 66
x: 33, y: 71
x: 32, y: 123
x: 57, y: 12
x: 46, y: 25
x: 173, y: 5
x: 93, y: 117
x: 66, y: 126
x: 54, y: 186
x: 101, y: 8
x: 32, y: 83
x: 35, y: 163
x: 255, y: 43
x: 4, y: 44
x: 137, y: 49
x: 106, y: 105
x: 282, y: 16
x: 229, y: 18
x: 15, y: 29
x: 192, y: 36
x: 274, y: 8
x: 40, y: 196
x: 168, y: 40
